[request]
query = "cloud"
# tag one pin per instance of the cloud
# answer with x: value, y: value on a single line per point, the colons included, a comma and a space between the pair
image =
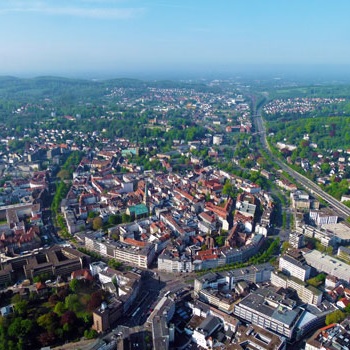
x: 39, y: 7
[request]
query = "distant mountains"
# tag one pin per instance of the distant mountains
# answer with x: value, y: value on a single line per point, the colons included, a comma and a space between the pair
x: 56, y: 87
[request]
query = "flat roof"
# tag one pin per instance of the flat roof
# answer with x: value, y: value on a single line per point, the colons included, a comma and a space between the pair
x: 340, y: 230
x: 328, y: 264
x: 258, y: 302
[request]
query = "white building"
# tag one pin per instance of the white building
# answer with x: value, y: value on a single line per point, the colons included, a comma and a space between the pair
x: 328, y: 264
x: 202, y: 334
x: 295, y: 268
x: 323, y: 217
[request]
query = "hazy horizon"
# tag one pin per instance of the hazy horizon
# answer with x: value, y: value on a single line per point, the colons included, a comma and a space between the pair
x: 311, y: 73
x: 141, y: 38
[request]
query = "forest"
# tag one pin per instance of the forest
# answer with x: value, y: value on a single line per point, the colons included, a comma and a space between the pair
x: 49, y: 316
x: 328, y: 133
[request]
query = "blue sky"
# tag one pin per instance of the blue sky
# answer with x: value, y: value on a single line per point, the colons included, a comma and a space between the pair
x: 72, y: 37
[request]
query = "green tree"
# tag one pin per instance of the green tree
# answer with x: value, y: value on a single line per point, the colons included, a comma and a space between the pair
x: 228, y: 189
x: 90, y: 334
x: 92, y: 215
x: 97, y: 223
x: 73, y: 285
x: 60, y: 308
x: 220, y: 240
x: 115, y: 264
x: 21, y: 307
x: 285, y: 247
x: 72, y: 303
x: 48, y: 321
x: 115, y: 220
x: 335, y: 317
x: 126, y: 218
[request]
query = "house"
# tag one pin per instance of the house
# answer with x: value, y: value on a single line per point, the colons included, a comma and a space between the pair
x: 83, y: 274
x: 202, y: 335
x: 41, y: 289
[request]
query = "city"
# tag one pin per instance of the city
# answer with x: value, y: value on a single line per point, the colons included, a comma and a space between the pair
x: 168, y: 242
x: 174, y: 175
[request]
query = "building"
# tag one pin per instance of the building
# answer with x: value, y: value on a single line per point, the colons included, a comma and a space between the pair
x: 332, y: 337
x: 162, y: 331
x: 308, y: 294
x: 296, y: 240
x: 217, y: 139
x: 55, y: 261
x: 170, y: 263
x: 238, y: 255
x: 344, y: 254
x: 6, y: 274
x: 269, y: 310
x: 321, y: 217
x: 326, y: 237
x: 96, y: 267
x: 224, y: 301
x: 202, y: 335
x: 141, y: 256
x: 137, y: 211
x: 339, y: 231
x: 204, y: 310
x: 293, y: 267
x: 255, y: 337
x: 257, y: 274
x: 106, y: 315
x: 328, y: 264
x: 300, y: 200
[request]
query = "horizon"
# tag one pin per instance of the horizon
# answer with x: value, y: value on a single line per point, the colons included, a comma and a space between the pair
x: 159, y: 38
x: 298, y: 73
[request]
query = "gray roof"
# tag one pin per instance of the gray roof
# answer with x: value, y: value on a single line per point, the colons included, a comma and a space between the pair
x: 285, y: 316
x: 209, y: 325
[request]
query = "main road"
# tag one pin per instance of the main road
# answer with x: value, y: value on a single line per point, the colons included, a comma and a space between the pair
x: 341, y: 209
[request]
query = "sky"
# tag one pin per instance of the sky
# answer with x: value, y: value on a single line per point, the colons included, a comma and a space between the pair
x: 131, y: 37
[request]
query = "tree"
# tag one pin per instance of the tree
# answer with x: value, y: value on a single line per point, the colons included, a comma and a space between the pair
x: 73, y: 285
x: 48, y: 321
x: 62, y: 293
x: 220, y: 240
x: 69, y: 317
x: 90, y: 334
x: 335, y: 317
x: 114, y: 264
x: 285, y: 247
x: 46, y: 338
x: 126, y: 218
x: 21, y: 307
x: 72, y: 303
x: 228, y: 189
x: 15, y: 327
x: 59, y: 308
x: 95, y: 301
x: 97, y: 223
x: 92, y: 215
x: 53, y: 299
x: 63, y: 174
x: 114, y: 220
x: 317, y: 281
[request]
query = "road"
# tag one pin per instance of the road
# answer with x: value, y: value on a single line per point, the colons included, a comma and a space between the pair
x: 341, y: 209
